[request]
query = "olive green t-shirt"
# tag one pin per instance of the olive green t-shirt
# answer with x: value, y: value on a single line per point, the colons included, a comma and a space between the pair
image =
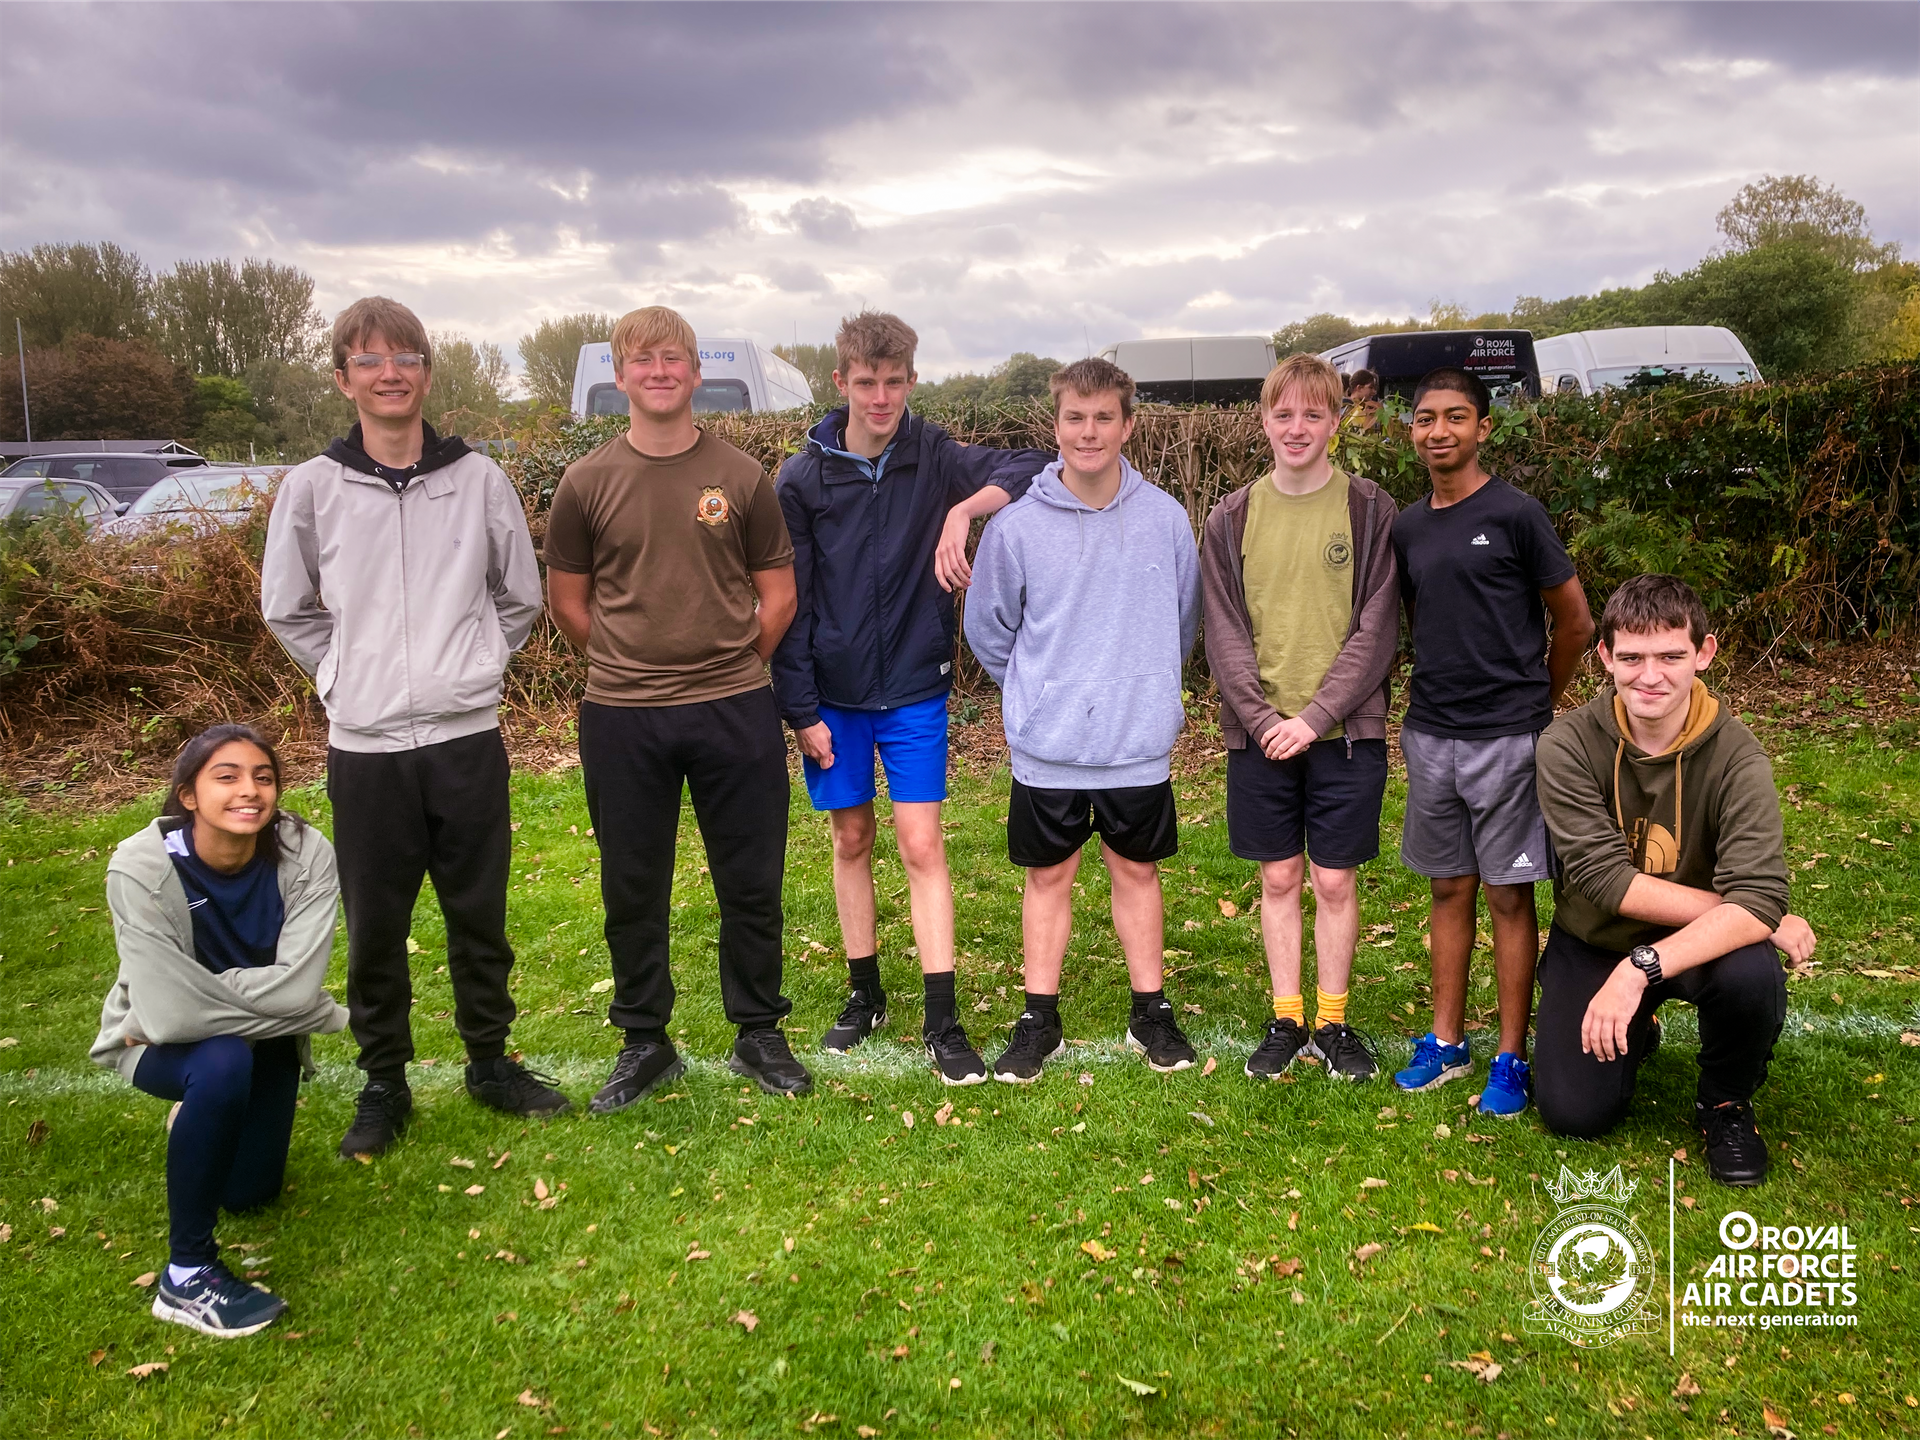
x: 1297, y: 569
x: 671, y: 543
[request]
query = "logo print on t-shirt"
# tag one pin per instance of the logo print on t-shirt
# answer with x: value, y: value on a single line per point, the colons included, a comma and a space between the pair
x: 1480, y: 539
x: 711, y: 509
x: 1339, y: 552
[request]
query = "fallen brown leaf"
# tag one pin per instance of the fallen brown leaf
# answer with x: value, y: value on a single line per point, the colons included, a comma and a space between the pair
x: 505, y: 1155
x: 1283, y: 1268
x: 147, y: 1279
x: 532, y: 1401
x: 1373, y: 1182
x: 475, y: 1190
x: 943, y: 1114
x: 540, y: 1191
x: 1211, y: 1066
x: 1367, y: 1251
x: 747, y: 1320
x: 96, y: 1357
x: 1099, y: 1252
x: 1485, y: 1371
x: 1229, y: 909
x: 152, y: 1367
x: 1776, y: 1423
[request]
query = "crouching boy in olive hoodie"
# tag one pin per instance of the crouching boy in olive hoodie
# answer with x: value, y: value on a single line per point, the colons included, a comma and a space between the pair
x: 1673, y: 885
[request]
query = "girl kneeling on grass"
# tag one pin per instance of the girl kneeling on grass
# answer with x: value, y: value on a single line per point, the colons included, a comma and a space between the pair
x: 223, y: 913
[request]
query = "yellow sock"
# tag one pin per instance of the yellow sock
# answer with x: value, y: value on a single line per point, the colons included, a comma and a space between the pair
x: 1329, y: 1009
x: 1291, y: 1007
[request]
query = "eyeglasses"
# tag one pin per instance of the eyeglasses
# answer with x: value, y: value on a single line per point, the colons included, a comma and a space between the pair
x: 405, y: 360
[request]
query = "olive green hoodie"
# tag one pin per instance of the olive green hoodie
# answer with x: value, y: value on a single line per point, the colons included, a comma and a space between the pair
x: 1703, y: 814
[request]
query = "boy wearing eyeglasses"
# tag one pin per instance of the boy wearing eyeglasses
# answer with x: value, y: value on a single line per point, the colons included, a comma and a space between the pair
x: 420, y: 549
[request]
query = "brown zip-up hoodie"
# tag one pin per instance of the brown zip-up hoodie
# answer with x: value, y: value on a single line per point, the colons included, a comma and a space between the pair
x: 1354, y: 692
x: 1703, y: 814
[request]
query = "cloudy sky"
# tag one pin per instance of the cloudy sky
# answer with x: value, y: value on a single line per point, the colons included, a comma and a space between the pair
x: 1008, y: 177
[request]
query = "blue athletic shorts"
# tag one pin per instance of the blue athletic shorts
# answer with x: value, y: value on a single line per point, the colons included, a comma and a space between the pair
x: 913, y: 750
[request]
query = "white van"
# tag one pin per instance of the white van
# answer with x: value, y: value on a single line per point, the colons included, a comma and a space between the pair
x: 734, y: 375
x: 1196, y: 369
x: 1590, y: 360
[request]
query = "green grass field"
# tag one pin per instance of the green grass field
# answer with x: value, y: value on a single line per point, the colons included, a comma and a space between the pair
x: 1111, y: 1252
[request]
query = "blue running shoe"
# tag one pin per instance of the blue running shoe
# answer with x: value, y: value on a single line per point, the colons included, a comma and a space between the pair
x: 1434, y: 1063
x: 1508, y: 1080
x: 215, y: 1302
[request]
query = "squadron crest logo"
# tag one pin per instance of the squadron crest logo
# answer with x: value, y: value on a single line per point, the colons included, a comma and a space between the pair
x: 1592, y: 1270
x: 712, y: 508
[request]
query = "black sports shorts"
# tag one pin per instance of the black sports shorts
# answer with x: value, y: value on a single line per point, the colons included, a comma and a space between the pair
x: 1046, y: 827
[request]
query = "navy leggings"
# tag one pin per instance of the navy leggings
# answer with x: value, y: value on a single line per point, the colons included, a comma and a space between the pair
x: 229, y: 1142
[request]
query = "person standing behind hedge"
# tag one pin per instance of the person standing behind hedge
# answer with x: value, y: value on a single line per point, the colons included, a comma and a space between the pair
x: 420, y: 549
x: 223, y: 916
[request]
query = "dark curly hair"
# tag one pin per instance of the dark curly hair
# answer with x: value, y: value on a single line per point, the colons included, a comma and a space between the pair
x: 193, y: 758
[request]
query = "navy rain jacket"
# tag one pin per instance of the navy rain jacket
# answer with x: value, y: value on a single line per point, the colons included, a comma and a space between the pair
x: 874, y: 630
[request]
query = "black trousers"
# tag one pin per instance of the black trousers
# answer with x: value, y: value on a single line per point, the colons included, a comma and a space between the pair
x: 1742, y: 1000
x: 731, y: 755
x: 402, y: 816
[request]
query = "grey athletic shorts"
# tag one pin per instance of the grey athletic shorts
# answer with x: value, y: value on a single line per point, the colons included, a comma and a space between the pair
x: 1472, y: 810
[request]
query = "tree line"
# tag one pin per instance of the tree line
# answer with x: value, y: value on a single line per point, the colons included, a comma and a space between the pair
x: 1798, y: 277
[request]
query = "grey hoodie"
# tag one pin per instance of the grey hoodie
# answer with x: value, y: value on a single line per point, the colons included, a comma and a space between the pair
x: 164, y: 996
x: 1084, y: 618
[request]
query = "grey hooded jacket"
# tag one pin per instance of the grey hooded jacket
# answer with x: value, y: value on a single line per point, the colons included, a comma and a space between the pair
x: 404, y: 608
x: 1084, y: 618
x: 163, y: 995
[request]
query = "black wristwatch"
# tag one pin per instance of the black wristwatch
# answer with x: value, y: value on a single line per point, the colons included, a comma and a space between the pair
x: 1646, y: 960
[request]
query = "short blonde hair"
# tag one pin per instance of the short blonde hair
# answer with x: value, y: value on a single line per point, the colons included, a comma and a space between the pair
x: 871, y: 337
x: 649, y: 326
x: 1310, y: 373
x: 377, y: 315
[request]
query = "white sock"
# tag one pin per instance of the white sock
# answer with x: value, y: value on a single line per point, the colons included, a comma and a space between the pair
x: 180, y: 1274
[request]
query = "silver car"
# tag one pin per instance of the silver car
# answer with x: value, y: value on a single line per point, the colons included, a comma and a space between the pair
x: 203, y: 499
x: 27, y: 497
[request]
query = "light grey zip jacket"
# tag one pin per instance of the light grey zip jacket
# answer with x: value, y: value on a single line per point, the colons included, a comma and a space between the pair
x: 1084, y: 618
x: 163, y: 995
x: 426, y: 595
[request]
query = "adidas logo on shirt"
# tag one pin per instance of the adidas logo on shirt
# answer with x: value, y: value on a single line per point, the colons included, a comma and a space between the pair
x: 1480, y: 539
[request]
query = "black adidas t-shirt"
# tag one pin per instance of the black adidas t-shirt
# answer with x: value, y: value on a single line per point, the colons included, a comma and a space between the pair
x: 1473, y: 573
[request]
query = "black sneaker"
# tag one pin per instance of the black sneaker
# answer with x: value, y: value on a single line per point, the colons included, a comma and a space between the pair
x: 215, y: 1302
x: 953, y: 1054
x: 504, y: 1084
x: 1284, y: 1040
x: 1157, y: 1036
x: 1736, y: 1151
x: 1036, y: 1040
x: 379, y: 1116
x: 863, y: 1015
x: 765, y: 1058
x: 640, y: 1070
x: 1348, y: 1053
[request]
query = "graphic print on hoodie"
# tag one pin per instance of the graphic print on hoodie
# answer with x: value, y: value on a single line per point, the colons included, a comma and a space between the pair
x: 1084, y: 618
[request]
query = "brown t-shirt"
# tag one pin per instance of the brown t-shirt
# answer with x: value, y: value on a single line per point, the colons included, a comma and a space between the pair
x: 671, y: 543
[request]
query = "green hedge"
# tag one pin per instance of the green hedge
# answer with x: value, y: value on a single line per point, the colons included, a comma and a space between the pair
x: 1792, y: 507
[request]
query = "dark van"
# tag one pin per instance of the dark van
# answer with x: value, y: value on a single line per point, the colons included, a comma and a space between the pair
x: 1502, y: 358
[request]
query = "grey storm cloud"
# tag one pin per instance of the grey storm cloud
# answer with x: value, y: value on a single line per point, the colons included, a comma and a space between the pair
x: 1031, y: 177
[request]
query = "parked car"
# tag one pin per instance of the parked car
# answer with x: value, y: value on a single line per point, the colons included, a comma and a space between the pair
x: 125, y: 477
x: 1195, y: 369
x: 205, y: 498
x: 33, y: 496
x: 1502, y: 358
x: 1584, y: 361
x: 734, y: 375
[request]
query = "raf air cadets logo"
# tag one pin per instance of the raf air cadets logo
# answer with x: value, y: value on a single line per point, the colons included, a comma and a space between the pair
x: 1339, y: 552
x: 1592, y: 1269
x: 712, y: 507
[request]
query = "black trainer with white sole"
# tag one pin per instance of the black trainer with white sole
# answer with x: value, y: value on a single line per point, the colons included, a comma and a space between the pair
x: 1349, y: 1054
x: 1036, y: 1039
x: 765, y: 1058
x: 639, y: 1071
x: 1157, y: 1035
x: 216, y: 1302
x: 953, y: 1055
x: 864, y: 1013
x: 1283, y: 1043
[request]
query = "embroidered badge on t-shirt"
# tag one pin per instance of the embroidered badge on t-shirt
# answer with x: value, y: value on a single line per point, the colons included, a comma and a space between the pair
x: 712, y: 509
